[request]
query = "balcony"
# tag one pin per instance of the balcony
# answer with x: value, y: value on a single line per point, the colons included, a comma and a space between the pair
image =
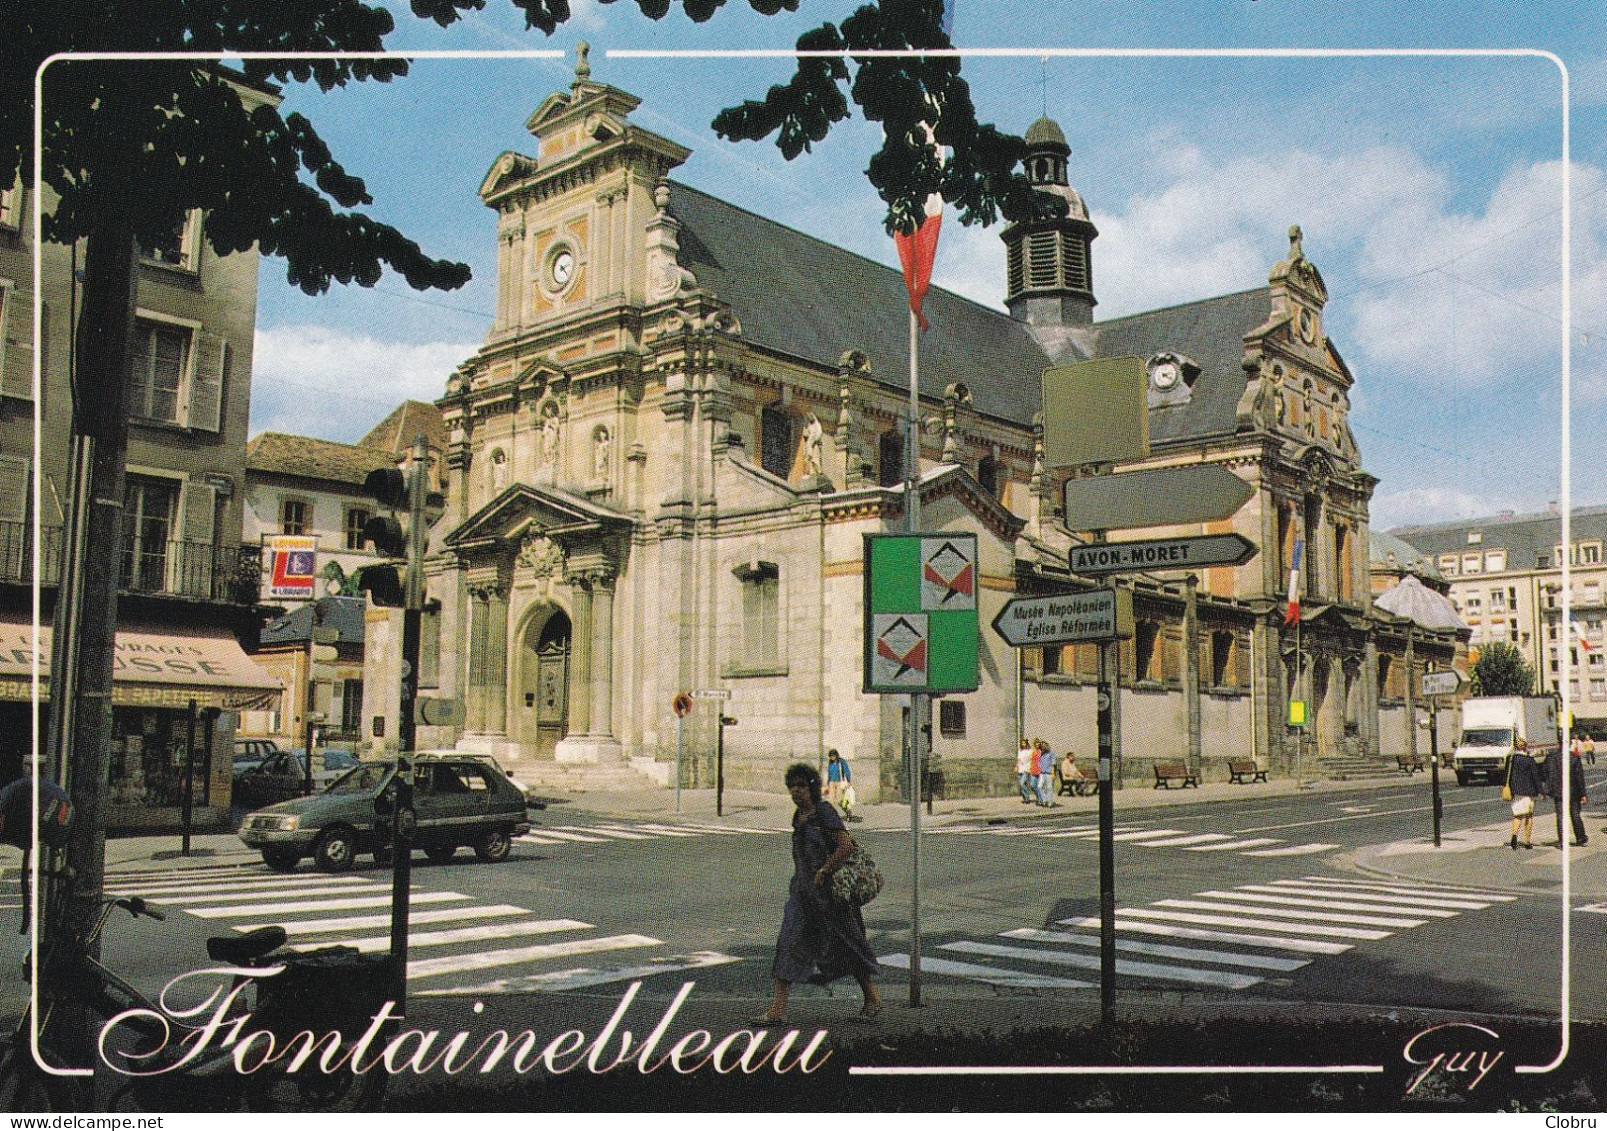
x: 198, y: 570
x: 16, y: 554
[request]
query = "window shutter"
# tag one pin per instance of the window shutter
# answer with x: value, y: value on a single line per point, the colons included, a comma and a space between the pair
x: 206, y: 381
x: 13, y: 489
x: 199, y: 511
x: 16, y: 343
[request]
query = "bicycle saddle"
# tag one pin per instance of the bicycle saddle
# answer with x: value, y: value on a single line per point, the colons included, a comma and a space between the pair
x: 237, y: 950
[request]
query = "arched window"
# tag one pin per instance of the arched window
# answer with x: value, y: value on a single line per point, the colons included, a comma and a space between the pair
x: 775, y: 441
x: 890, y: 458
x: 987, y: 474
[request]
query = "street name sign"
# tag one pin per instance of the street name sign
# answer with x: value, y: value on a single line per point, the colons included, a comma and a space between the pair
x: 712, y: 693
x: 1442, y: 683
x: 921, y: 628
x: 1066, y: 618
x: 1162, y: 553
x: 1162, y: 496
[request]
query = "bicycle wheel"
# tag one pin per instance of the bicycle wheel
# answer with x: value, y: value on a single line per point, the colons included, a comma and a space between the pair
x: 26, y: 1087
x: 313, y: 1090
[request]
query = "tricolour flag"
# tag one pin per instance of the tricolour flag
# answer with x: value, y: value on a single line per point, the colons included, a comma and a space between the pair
x: 1579, y: 634
x: 917, y: 249
x: 1292, y: 616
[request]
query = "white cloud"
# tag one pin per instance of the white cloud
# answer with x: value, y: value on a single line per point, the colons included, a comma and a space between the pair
x: 1419, y: 505
x: 314, y: 381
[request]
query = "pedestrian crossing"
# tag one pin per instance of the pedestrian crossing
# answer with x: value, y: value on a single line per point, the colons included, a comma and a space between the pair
x: 1144, y: 836
x: 622, y: 831
x: 1220, y: 940
x: 454, y: 943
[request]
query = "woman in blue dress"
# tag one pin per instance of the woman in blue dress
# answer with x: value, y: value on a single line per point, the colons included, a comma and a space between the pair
x: 821, y: 939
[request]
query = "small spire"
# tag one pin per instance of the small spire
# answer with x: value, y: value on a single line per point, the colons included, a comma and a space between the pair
x: 582, y: 62
x: 1295, y: 235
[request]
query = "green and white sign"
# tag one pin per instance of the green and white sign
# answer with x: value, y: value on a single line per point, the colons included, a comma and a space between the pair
x: 921, y: 623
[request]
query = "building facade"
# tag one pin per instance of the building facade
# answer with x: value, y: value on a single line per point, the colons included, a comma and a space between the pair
x: 686, y: 417
x: 188, y: 588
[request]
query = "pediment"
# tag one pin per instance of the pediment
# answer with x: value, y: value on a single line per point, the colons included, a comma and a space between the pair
x: 507, y: 168
x: 955, y: 481
x: 601, y: 103
x: 523, y: 509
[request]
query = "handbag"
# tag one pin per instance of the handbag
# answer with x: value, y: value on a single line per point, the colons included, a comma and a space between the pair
x: 1506, y: 789
x: 857, y: 881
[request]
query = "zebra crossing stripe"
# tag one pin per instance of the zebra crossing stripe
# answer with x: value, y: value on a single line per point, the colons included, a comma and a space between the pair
x: 1415, y: 889
x: 991, y: 975
x: 487, y: 959
x: 1263, y: 924
x: 237, y: 910
x: 1145, y: 834
x: 610, y: 830
x: 186, y: 900
x: 1167, y: 930
x: 463, y: 934
x: 236, y: 887
x: 1161, y: 950
x: 554, y: 833
x: 580, y: 977
x: 1598, y: 908
x: 1093, y: 831
x: 1293, y: 850
x: 1192, y: 838
x: 1224, y: 978
x: 532, y: 838
x: 252, y: 867
x: 1444, y: 908
x: 1279, y: 912
x: 1229, y: 846
x: 369, y: 922
x: 733, y: 831
x: 1335, y: 904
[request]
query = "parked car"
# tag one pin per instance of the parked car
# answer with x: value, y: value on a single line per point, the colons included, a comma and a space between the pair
x: 283, y: 775
x: 249, y: 752
x: 457, y: 802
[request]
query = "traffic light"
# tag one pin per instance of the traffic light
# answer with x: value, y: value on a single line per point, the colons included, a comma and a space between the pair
x: 386, y: 533
x: 383, y: 583
x: 387, y: 486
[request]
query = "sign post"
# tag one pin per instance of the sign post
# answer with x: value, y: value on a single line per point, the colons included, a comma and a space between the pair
x: 1435, y: 684
x: 682, y: 706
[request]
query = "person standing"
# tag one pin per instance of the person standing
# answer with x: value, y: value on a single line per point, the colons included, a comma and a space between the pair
x: 1590, y: 749
x: 837, y: 776
x: 1024, y: 771
x: 1576, y: 792
x: 1523, y: 779
x: 1046, y: 775
x: 821, y: 939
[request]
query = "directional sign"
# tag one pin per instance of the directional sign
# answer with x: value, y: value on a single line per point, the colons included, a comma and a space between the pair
x: 1442, y: 683
x: 714, y: 693
x: 1162, y: 553
x: 1066, y: 618
x: 1165, y: 496
x: 920, y: 613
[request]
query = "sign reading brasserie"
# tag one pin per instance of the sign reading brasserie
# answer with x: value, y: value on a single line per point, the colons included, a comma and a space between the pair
x: 144, y: 657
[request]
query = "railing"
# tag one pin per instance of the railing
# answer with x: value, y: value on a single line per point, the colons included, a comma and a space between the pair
x: 192, y: 569
x: 17, y: 554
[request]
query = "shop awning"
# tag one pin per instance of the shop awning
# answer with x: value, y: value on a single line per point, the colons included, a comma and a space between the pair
x: 151, y: 668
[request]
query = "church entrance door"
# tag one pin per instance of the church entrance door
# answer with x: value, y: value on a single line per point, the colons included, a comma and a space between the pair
x: 543, y: 703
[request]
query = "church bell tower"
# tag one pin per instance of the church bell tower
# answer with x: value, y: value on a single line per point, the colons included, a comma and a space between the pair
x: 1049, y: 264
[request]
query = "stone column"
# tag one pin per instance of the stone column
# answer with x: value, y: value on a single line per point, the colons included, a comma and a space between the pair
x: 580, y: 677
x: 602, y: 679
x: 475, y: 695
x: 495, y: 682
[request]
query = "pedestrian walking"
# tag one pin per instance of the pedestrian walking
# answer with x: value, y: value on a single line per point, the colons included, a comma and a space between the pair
x: 1576, y: 793
x: 1046, y: 775
x: 1590, y: 749
x: 837, y: 777
x: 1024, y: 770
x: 1523, y: 786
x: 821, y: 939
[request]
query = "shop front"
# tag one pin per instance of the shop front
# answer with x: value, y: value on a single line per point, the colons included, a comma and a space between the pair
x: 176, y: 699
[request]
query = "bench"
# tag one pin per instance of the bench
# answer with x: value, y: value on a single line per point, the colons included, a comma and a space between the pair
x: 1080, y: 786
x: 1168, y: 772
x: 1409, y: 763
x: 1245, y: 773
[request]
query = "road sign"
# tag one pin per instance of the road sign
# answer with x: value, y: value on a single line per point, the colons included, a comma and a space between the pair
x: 1442, y: 683
x: 440, y: 712
x: 1165, y: 496
x: 921, y: 625
x: 1162, y: 553
x: 1095, y: 411
x: 712, y: 693
x: 1066, y: 618
x: 681, y: 705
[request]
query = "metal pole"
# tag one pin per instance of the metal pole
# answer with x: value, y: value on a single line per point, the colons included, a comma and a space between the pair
x: 912, y: 520
x: 719, y: 765
x: 406, y: 730
x: 680, y: 745
x: 189, y: 780
x: 1106, y: 710
x: 1434, y: 761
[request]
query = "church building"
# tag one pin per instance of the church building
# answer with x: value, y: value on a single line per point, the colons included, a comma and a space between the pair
x: 685, y: 417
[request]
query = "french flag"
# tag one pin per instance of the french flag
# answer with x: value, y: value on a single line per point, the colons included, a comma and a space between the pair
x: 1579, y: 635
x: 1292, y: 617
x: 916, y: 252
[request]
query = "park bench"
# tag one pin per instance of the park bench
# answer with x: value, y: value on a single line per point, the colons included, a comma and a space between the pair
x: 1076, y: 787
x: 1409, y: 763
x: 1245, y: 773
x: 1168, y: 772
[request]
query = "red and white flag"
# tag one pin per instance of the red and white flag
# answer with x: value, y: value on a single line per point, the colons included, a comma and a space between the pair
x: 1292, y: 616
x: 1579, y: 634
x: 917, y: 249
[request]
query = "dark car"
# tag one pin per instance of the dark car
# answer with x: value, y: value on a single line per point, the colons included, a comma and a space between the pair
x: 283, y: 775
x: 251, y: 752
x: 457, y: 802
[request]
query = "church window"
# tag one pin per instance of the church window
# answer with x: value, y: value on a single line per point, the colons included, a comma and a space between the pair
x: 761, y: 600
x: 890, y: 458
x: 775, y: 441
x: 951, y: 718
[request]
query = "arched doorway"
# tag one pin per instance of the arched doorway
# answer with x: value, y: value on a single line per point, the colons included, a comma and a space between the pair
x: 543, y: 704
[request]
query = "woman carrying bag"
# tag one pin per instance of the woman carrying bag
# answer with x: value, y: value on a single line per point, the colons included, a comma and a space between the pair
x: 1522, y: 787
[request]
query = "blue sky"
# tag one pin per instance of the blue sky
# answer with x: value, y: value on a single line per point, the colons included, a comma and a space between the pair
x: 1428, y: 190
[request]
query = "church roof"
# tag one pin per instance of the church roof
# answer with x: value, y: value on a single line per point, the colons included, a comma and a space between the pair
x: 395, y: 434
x: 1411, y: 599
x: 1210, y: 333
x: 1044, y: 130
x: 809, y: 299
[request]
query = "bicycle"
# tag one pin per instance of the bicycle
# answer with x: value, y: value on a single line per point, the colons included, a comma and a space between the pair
x: 144, y: 1054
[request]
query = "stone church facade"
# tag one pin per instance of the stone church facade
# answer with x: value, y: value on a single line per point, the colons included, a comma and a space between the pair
x: 685, y: 417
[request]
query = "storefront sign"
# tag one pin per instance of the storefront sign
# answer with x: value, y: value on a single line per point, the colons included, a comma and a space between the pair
x: 293, y: 560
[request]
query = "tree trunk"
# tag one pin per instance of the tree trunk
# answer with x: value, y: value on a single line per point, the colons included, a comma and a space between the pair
x: 81, y: 692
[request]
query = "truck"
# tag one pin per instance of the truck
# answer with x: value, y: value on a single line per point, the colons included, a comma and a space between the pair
x: 1491, y: 724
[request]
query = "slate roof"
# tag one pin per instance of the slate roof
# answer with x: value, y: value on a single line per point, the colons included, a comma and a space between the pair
x: 1411, y: 599
x: 1381, y: 544
x: 396, y: 432
x: 1525, y: 537
x: 345, y: 614
x: 1210, y: 333
x: 809, y: 299
x: 279, y: 453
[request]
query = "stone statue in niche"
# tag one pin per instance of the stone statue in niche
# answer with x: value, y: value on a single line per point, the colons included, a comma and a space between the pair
x: 602, y: 446
x: 812, y: 441
x: 549, y: 434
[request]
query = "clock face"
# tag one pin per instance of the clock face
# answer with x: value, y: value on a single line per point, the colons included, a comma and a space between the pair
x: 562, y: 269
x: 1308, y: 326
x: 1164, y: 375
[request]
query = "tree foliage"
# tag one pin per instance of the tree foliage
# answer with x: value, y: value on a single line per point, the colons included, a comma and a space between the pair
x: 1502, y: 670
